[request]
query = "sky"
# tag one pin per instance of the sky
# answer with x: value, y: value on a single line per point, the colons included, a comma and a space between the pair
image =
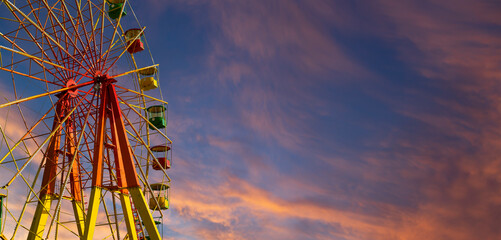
x: 331, y: 119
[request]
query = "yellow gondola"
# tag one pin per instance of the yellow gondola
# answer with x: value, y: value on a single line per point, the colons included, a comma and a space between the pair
x: 148, y: 82
x: 161, y: 194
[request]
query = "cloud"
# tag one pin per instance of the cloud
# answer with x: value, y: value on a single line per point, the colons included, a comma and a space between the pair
x: 267, y: 56
x: 279, y: 31
x: 228, y: 207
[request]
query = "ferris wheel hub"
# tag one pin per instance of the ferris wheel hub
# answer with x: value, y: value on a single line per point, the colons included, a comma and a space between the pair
x: 72, y: 92
x: 100, y: 79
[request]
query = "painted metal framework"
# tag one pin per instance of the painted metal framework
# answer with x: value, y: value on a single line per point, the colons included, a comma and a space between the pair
x: 91, y: 144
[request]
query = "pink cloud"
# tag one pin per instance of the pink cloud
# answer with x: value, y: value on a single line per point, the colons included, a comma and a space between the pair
x: 233, y: 205
x: 266, y: 31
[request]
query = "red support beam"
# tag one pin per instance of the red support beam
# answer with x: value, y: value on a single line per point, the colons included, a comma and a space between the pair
x: 97, y: 176
x: 127, y: 156
x: 51, y: 155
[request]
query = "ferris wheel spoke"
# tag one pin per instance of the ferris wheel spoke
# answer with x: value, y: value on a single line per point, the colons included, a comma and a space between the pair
x: 102, y: 28
x: 9, y: 19
x: 28, y: 75
x: 141, y: 94
x: 56, y: 51
x: 46, y: 94
x: 134, y: 71
x: 115, y: 30
x: 81, y: 23
x: 68, y: 36
x: 63, y: 59
x: 18, y: 38
x: 84, y: 28
x: 91, y: 22
x: 125, y: 49
x: 54, y: 131
x: 21, y: 215
x: 28, y: 133
x: 41, y: 61
x: 24, y: 52
x: 34, y: 39
x: 97, y: 35
x: 14, y: 9
x: 91, y: 18
x: 102, y: 55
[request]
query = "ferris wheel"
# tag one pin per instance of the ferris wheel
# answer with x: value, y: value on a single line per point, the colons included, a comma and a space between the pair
x: 84, y: 152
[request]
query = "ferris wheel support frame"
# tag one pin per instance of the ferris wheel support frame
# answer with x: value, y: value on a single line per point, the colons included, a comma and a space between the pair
x: 127, y: 179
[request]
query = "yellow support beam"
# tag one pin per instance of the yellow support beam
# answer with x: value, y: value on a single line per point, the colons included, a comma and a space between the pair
x: 78, y: 210
x: 90, y: 221
x: 142, y: 207
x: 40, y: 218
x: 129, y: 218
